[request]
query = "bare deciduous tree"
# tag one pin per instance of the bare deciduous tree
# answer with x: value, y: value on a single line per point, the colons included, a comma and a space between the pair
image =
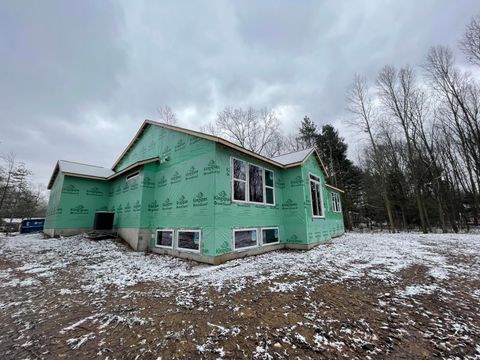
x: 210, y: 129
x: 254, y: 129
x: 18, y: 198
x: 458, y: 108
x: 360, y: 104
x: 167, y: 115
x: 470, y: 44
x: 404, y: 102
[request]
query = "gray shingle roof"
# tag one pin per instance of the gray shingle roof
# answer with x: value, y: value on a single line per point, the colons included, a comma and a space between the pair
x: 293, y: 157
x: 84, y: 169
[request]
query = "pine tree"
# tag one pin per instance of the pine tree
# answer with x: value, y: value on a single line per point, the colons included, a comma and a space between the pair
x: 333, y: 151
x: 342, y: 172
x: 308, y: 133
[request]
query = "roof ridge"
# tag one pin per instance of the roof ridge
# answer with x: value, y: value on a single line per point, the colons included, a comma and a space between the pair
x: 79, y: 163
x: 291, y: 152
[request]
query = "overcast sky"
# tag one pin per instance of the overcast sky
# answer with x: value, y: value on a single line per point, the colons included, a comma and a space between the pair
x: 77, y: 78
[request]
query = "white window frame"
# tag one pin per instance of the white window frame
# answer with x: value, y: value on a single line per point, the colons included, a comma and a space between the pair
x: 270, y: 228
x: 247, y: 247
x: 247, y: 183
x: 164, y: 246
x: 310, y: 180
x: 265, y: 187
x: 189, y: 231
x: 336, y: 203
x: 233, y: 179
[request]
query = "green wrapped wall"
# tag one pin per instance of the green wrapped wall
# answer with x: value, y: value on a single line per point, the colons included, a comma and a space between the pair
x: 75, y: 202
x: 53, y: 208
x: 320, y: 229
x: 190, y: 188
x: 178, y: 193
x: 229, y: 214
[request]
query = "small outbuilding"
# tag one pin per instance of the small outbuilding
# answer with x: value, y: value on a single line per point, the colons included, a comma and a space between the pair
x: 193, y: 195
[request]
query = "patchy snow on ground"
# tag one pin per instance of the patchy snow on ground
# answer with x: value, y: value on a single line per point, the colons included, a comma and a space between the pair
x: 100, y: 273
x: 105, y: 264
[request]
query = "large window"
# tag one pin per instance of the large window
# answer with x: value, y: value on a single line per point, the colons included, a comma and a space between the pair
x: 188, y: 240
x: 316, y: 196
x: 244, y: 238
x: 269, y: 187
x: 270, y: 236
x: 255, y: 180
x: 165, y: 238
x: 336, y: 205
x: 239, y: 180
x: 252, y: 183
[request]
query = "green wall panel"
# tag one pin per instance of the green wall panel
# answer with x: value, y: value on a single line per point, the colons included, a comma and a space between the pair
x: 320, y: 229
x: 80, y: 199
x: 178, y: 193
x: 53, y: 209
x: 191, y: 189
x: 230, y: 214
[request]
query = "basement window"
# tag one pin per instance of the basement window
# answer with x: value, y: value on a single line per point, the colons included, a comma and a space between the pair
x: 165, y: 238
x: 244, y: 239
x: 189, y: 240
x: 336, y: 205
x: 316, y: 196
x: 270, y: 236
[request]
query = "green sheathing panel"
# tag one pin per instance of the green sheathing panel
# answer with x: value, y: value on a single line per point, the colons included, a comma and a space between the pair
x: 54, y: 209
x: 125, y: 200
x: 151, y: 143
x: 230, y: 214
x: 320, y: 229
x: 184, y: 189
x: 293, y: 206
x: 176, y: 194
x: 191, y: 189
x: 80, y: 199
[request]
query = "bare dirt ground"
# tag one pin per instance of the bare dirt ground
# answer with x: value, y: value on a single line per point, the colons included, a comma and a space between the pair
x: 362, y: 296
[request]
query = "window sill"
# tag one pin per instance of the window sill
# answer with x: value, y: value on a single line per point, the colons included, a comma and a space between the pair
x: 164, y: 247
x: 245, y: 248
x: 270, y: 244
x: 252, y: 203
x: 188, y: 250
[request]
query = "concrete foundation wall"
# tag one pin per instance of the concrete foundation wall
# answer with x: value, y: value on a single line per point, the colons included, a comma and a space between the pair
x: 215, y: 260
x: 137, y: 238
x: 49, y: 232
x: 65, y: 232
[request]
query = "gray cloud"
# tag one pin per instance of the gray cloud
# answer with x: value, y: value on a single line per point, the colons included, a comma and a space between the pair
x: 78, y: 78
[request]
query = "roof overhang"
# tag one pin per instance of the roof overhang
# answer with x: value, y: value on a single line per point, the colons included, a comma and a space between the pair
x: 313, y: 151
x: 201, y: 135
x: 54, y: 176
x: 334, y: 188
x: 127, y: 169
x: 213, y: 138
x: 134, y: 166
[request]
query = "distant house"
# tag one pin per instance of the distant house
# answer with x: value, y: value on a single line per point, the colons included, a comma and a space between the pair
x: 188, y: 194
